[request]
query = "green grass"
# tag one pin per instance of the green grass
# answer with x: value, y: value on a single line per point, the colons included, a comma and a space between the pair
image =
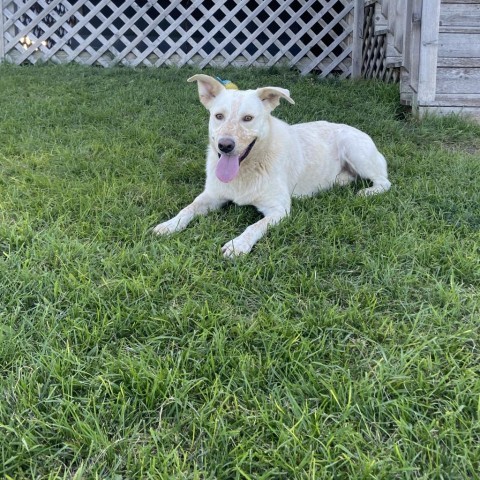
x: 346, y: 345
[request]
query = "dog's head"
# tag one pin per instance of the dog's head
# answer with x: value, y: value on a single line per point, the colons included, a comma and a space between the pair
x: 238, y: 119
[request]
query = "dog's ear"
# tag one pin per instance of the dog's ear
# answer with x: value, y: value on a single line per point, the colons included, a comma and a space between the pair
x: 208, y: 88
x: 270, y: 96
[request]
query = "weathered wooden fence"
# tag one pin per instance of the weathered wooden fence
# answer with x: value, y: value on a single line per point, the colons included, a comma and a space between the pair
x: 432, y: 47
x: 311, y: 35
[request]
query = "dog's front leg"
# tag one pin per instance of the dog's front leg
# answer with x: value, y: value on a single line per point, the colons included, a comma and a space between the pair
x: 245, y: 242
x: 203, y: 204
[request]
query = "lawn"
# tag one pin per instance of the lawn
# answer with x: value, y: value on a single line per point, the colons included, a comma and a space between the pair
x: 345, y: 345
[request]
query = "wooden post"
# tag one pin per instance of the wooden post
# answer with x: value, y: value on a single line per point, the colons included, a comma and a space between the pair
x: 427, y: 72
x: 357, y: 45
x: 2, y: 34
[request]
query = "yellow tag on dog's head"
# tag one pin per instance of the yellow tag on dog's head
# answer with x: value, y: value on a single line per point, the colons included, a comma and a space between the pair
x: 229, y: 85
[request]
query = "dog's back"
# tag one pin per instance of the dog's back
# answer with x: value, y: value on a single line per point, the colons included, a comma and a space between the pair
x: 337, y: 153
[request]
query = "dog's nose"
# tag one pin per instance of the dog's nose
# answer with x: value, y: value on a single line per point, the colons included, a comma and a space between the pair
x: 226, y: 145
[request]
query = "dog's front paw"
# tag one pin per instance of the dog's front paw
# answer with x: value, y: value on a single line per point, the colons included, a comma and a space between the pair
x: 168, y: 227
x: 236, y: 247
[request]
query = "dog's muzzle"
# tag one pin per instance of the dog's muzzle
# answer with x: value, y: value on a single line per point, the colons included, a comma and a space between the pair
x: 227, y: 146
x: 228, y: 164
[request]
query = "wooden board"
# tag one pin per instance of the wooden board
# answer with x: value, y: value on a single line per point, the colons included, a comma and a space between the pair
x: 452, y: 100
x: 459, y: 45
x: 459, y: 2
x: 428, y: 52
x: 461, y: 15
x: 469, y: 112
x: 459, y: 62
x: 458, y: 80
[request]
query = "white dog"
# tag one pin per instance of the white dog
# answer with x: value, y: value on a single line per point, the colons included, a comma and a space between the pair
x: 256, y: 159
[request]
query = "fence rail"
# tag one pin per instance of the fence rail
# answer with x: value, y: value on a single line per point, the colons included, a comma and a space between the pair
x: 311, y: 35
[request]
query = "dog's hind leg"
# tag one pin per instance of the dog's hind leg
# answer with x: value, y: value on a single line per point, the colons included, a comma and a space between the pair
x: 367, y: 162
x: 380, y: 185
x: 376, y: 173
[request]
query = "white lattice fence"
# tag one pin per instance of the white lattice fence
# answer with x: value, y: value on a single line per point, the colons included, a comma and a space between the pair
x: 312, y: 35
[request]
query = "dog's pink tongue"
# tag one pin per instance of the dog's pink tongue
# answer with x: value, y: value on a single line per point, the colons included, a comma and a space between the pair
x: 227, y: 167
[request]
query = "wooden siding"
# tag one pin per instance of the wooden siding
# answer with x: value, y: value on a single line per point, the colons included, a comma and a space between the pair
x: 436, y: 46
x: 458, y: 81
x: 458, y: 66
x: 454, y: 44
x: 468, y: 15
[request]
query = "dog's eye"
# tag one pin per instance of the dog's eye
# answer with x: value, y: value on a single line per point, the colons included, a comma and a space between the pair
x: 219, y: 116
x: 247, y: 118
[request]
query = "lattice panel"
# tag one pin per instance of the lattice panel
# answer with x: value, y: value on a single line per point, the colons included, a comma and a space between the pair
x: 312, y: 35
x: 374, y: 53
